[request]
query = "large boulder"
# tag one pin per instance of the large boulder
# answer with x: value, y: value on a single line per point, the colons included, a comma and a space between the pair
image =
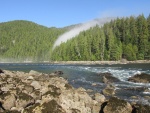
x: 140, y: 78
x: 8, y: 100
x: 116, y: 105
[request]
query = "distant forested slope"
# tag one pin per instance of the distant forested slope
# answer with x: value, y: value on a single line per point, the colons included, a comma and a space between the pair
x: 127, y: 38
x: 25, y: 40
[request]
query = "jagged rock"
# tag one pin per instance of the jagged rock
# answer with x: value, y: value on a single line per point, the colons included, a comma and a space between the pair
x: 116, y: 105
x: 138, y: 108
x: 8, y: 100
x: 47, y: 107
x: 109, y: 90
x: 99, y: 97
x: 24, y: 100
x: 36, y: 84
x: 108, y: 78
x: 140, y: 78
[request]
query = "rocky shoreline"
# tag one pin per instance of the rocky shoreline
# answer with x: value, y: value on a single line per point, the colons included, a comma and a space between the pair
x: 86, y: 62
x: 36, y: 92
x: 100, y: 62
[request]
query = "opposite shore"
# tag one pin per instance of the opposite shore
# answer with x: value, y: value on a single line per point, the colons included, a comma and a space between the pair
x: 82, y: 62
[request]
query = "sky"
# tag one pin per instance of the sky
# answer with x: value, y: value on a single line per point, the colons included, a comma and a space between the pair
x: 61, y: 13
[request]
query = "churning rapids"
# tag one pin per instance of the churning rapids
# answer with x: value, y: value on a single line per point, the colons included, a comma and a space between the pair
x: 86, y: 75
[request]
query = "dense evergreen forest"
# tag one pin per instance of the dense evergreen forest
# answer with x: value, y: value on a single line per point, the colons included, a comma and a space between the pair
x: 122, y: 38
x: 127, y: 38
x: 24, y: 40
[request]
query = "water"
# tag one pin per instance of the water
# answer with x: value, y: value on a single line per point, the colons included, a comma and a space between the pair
x: 86, y: 75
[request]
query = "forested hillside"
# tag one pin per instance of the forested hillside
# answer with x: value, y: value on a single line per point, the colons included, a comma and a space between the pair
x: 127, y: 38
x: 25, y: 40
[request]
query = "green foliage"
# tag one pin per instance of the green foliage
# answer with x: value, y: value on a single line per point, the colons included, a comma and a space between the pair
x: 24, y: 40
x: 127, y: 38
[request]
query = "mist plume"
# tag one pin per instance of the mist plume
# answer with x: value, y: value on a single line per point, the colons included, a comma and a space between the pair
x: 79, y: 28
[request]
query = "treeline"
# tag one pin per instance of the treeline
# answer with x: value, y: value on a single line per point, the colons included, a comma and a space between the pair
x: 123, y: 38
x: 25, y: 40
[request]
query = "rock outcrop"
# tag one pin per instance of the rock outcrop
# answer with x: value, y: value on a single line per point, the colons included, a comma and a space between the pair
x: 36, y: 92
x: 116, y: 105
x: 108, y: 78
x: 140, y: 78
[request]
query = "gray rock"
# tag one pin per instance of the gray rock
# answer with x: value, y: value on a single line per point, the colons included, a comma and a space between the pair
x: 99, y: 97
x: 32, y: 72
x: 36, y: 84
x: 9, y: 101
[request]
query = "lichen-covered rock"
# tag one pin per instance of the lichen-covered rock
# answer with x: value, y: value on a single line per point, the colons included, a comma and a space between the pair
x: 138, y: 108
x: 116, y: 105
x: 24, y: 100
x: 8, y: 100
x: 140, y: 78
x: 47, y: 107
x: 109, y: 90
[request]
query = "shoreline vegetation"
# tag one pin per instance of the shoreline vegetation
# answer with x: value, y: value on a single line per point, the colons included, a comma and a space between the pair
x: 86, y: 62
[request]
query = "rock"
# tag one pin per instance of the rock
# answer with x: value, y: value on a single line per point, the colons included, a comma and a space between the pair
x: 1, y: 71
x: 99, y: 97
x: 8, y: 100
x: 94, y: 84
x: 47, y: 107
x: 36, y: 84
x: 116, y: 105
x: 58, y: 72
x: 32, y: 72
x: 30, y: 78
x: 108, y: 78
x: 109, y: 90
x: 140, y: 78
x: 138, y: 108
x: 28, y: 88
x: 24, y: 100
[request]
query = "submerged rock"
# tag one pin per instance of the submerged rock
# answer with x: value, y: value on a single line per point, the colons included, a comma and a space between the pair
x: 140, y: 78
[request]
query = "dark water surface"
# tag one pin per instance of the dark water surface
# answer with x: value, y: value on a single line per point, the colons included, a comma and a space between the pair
x: 86, y: 75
